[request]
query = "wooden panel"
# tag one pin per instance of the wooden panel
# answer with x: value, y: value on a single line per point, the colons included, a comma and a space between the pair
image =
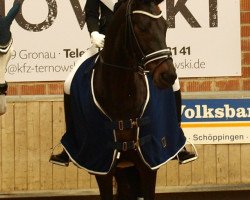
x: 185, y: 176
x: 59, y: 172
x: 222, y: 164
x: 245, y: 163
x: 185, y: 171
x: 83, y: 179
x: 172, y: 173
x: 8, y: 149
x: 71, y: 177
x: 210, y: 164
x: 198, y: 167
x: 33, y: 139
x: 162, y: 176
x: 234, y: 170
x: 21, y: 168
x: 93, y: 183
x: 45, y: 117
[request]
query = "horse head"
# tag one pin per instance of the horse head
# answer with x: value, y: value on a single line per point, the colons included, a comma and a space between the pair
x: 144, y: 40
x: 150, y: 29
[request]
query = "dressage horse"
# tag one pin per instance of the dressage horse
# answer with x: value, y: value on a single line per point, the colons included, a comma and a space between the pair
x: 133, y: 69
x: 134, y: 45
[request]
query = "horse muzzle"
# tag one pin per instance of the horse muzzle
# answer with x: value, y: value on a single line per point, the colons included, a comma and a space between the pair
x: 164, y: 75
x: 169, y: 79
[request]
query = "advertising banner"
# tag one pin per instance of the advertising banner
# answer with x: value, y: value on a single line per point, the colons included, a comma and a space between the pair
x: 216, y: 121
x: 204, y: 37
x: 50, y: 36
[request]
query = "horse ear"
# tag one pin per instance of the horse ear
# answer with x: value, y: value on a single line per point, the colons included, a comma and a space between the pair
x: 158, y: 1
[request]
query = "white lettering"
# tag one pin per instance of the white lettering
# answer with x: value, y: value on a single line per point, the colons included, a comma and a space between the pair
x: 219, y: 113
x: 230, y: 112
x: 241, y: 113
x: 207, y: 112
x: 190, y: 113
x: 198, y: 111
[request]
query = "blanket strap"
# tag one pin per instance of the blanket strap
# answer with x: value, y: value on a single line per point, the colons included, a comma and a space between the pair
x: 127, y: 124
x: 129, y: 145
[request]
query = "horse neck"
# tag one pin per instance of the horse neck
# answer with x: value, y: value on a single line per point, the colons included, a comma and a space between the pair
x: 116, y: 52
x: 121, y: 93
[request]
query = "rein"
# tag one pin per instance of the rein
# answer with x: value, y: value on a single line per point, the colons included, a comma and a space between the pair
x: 146, y: 59
x: 138, y: 69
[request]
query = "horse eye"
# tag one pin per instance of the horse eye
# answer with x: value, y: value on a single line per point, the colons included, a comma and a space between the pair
x: 142, y: 28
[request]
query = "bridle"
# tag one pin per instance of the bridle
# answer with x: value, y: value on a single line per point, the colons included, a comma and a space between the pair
x: 161, y: 54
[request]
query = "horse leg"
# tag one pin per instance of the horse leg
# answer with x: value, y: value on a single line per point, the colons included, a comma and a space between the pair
x: 127, y: 183
x: 148, y: 181
x: 105, y: 186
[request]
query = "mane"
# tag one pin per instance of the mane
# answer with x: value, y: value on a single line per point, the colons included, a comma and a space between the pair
x: 118, y: 24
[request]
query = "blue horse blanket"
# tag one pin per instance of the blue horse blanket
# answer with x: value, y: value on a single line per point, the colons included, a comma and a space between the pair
x: 87, y: 139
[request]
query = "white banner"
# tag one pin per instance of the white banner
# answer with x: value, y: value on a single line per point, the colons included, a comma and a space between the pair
x: 204, y: 36
x: 48, y: 40
x: 50, y: 36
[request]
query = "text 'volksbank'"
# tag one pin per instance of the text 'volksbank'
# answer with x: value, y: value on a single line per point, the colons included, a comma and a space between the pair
x: 216, y: 110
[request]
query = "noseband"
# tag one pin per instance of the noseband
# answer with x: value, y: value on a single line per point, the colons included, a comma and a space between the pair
x: 146, y: 58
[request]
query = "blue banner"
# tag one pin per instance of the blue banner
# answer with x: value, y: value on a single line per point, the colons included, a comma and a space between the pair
x: 215, y: 110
